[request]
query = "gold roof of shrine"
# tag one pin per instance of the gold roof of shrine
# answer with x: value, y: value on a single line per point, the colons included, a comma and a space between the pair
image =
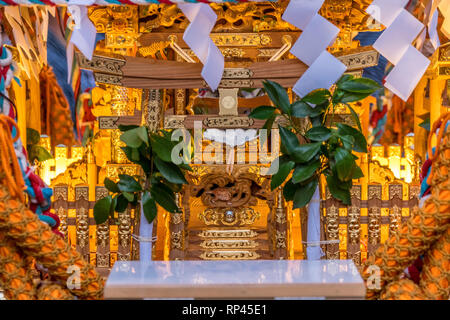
x: 243, y: 17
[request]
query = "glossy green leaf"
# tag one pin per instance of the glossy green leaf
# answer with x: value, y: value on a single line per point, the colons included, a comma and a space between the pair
x: 278, y: 95
x: 306, y: 152
x: 289, y: 190
x: 262, y: 113
x: 301, y: 109
x: 122, y: 203
x: 344, y: 164
x: 318, y: 96
x: 360, y: 85
x: 39, y: 153
x: 33, y: 136
x: 357, y: 173
x: 164, y: 198
x: 355, y: 117
x: 353, y: 97
x: 124, y: 128
x: 132, y: 138
x: 128, y: 196
x: 170, y: 171
x: 348, y: 142
x: 304, y: 193
x: 149, y: 206
x: 102, y: 209
x: 303, y: 172
x: 344, y: 78
x: 338, y: 193
x: 360, y: 140
x: 289, y: 140
x: 111, y: 185
x: 128, y: 184
x: 284, y: 169
x: 318, y: 134
x: 162, y: 147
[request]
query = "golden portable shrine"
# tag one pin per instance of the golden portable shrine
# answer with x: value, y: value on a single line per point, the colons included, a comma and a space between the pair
x: 273, y: 130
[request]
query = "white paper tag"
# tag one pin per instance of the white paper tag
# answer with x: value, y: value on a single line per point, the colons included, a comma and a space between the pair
x: 405, y: 76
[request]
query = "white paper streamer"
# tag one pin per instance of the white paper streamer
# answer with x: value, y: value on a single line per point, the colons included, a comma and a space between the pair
x: 323, y: 73
x: 84, y: 33
x: 313, y: 236
x: 395, y: 44
x: 145, y: 231
x: 318, y: 33
x: 196, y: 36
x: 407, y: 73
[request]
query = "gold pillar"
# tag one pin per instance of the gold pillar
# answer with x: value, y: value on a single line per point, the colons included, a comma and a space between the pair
x: 435, y: 103
x: 420, y: 134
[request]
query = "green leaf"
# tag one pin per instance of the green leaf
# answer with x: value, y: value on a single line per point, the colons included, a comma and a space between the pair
x: 129, y: 196
x: 304, y: 172
x: 318, y: 96
x: 124, y: 128
x: 348, y: 142
x: 353, y: 97
x: 283, y: 172
x: 304, y: 193
x: 357, y: 173
x: 262, y: 113
x: 319, y: 134
x: 360, y: 140
x: 111, y: 185
x: 170, y: 171
x: 33, y: 136
x: 355, y: 117
x: 278, y: 95
x: 301, y: 109
x: 143, y: 134
x: 289, y: 140
x: 164, y: 198
x: 39, y: 153
x: 162, y: 147
x: 122, y: 203
x: 360, y: 85
x: 344, y: 78
x: 289, y: 190
x: 344, y: 164
x: 306, y: 152
x: 132, y: 138
x: 128, y: 184
x: 102, y: 209
x: 338, y: 193
x: 149, y: 206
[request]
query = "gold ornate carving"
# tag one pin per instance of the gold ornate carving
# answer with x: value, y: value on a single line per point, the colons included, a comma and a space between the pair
x: 176, y: 218
x: 124, y: 229
x: 108, y: 122
x: 237, y: 73
x: 228, y: 122
x: 108, y: 78
x: 360, y: 59
x: 101, y: 64
x: 113, y: 170
x: 238, y: 233
x: 395, y: 217
x: 280, y: 239
x: 232, y: 52
x: 102, y: 260
x: 152, y: 107
x: 332, y: 223
x: 82, y: 227
x: 229, y: 216
x: 229, y: 244
x: 174, y: 122
x: 229, y: 255
x: 62, y: 214
x: 221, y: 190
x: 176, y: 240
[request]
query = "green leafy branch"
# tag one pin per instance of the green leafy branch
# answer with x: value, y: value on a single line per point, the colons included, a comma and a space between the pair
x: 161, y: 179
x: 34, y: 150
x: 328, y: 150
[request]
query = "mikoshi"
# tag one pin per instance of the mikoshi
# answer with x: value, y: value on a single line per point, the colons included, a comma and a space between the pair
x: 225, y: 150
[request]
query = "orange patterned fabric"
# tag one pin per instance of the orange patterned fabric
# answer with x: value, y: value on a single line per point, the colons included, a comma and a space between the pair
x: 426, y: 233
x: 56, y: 120
x: 23, y: 237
